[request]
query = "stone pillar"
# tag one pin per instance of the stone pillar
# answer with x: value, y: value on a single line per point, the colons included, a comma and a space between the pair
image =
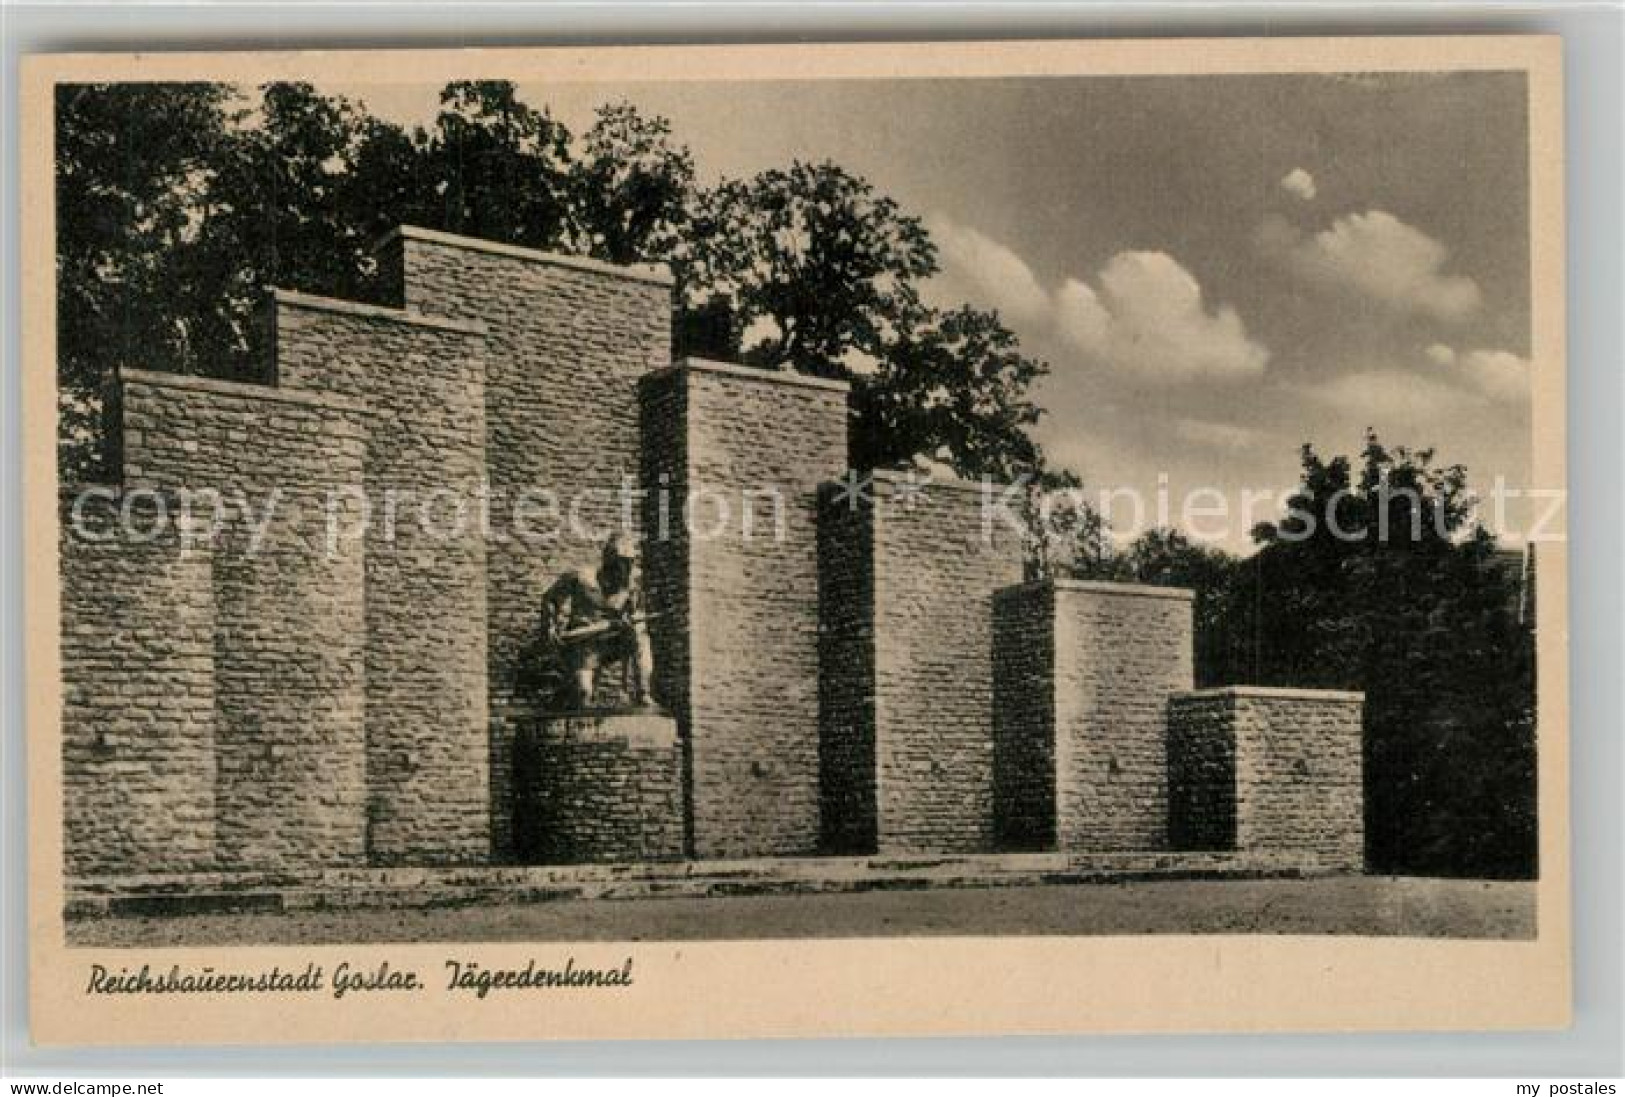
x: 1269, y: 770
x: 598, y: 787
x: 423, y: 377
x: 733, y: 459
x: 910, y: 569
x: 1087, y: 669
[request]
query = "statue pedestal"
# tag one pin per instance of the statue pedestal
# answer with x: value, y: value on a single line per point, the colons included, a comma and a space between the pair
x: 598, y: 786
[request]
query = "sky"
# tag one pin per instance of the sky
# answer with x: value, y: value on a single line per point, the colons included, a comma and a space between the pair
x: 1217, y: 269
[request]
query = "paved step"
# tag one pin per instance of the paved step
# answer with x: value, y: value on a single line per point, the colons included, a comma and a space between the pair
x: 423, y: 887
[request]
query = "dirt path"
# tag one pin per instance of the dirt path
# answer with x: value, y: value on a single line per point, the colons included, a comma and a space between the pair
x: 1385, y: 906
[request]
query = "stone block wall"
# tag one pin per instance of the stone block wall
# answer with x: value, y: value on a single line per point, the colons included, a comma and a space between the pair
x: 735, y: 459
x: 138, y: 746
x: 568, y: 341
x: 1086, y: 671
x: 932, y: 566
x: 290, y: 629
x: 1024, y: 717
x: 846, y: 674
x: 1120, y: 650
x: 598, y: 789
x: 1296, y: 777
x: 426, y: 667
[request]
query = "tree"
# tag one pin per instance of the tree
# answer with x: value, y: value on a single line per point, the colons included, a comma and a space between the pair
x: 131, y: 163
x: 952, y: 387
x: 816, y: 266
x: 502, y: 167
x: 1381, y: 582
x: 630, y: 188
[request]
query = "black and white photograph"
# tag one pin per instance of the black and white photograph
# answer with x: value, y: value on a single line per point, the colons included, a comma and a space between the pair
x: 632, y: 510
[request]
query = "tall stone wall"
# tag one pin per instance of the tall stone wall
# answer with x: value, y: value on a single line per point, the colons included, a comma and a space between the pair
x: 1297, y: 771
x: 738, y: 455
x: 427, y: 728
x: 568, y: 341
x: 290, y: 629
x: 1202, y: 770
x: 932, y: 566
x: 138, y: 738
x: 1024, y: 717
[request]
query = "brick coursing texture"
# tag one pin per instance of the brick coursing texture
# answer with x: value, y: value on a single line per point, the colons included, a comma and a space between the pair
x: 746, y: 630
x: 1096, y: 716
x: 598, y: 789
x: 138, y: 747
x: 846, y: 674
x: 1297, y: 773
x: 1201, y: 771
x: 427, y: 728
x: 568, y: 342
x: 290, y: 633
x: 933, y: 565
x: 1023, y: 717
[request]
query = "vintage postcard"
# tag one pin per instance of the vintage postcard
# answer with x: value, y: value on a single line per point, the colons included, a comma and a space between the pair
x: 1022, y: 537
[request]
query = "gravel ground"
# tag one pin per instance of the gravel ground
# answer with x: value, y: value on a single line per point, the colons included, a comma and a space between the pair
x: 1369, y: 905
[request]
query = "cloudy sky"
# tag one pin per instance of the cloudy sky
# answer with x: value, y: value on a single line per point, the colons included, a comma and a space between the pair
x: 1217, y: 269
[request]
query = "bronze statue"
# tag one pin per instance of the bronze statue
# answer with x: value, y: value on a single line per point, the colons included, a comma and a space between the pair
x: 594, y: 619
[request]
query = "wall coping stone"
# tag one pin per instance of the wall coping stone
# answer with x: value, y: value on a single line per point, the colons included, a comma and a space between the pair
x: 1102, y: 586
x: 296, y: 299
x: 1285, y: 693
x: 750, y: 373
x: 247, y: 390
x: 643, y: 272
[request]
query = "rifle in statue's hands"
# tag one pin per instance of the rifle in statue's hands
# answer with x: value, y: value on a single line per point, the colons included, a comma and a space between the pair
x: 601, y: 628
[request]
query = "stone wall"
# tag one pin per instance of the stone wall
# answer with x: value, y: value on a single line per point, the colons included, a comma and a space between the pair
x: 738, y: 457
x: 569, y: 340
x: 1297, y: 773
x: 933, y: 568
x: 1120, y: 650
x: 427, y: 728
x: 598, y: 789
x: 1202, y: 771
x: 1086, y: 669
x: 1024, y: 717
x: 289, y: 648
x: 846, y: 674
x: 138, y: 740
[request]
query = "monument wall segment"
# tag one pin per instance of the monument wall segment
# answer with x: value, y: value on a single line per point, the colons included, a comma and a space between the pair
x: 568, y: 341
x: 931, y: 569
x: 290, y: 628
x: 423, y: 378
x: 744, y: 451
x: 1294, y: 782
x: 138, y: 720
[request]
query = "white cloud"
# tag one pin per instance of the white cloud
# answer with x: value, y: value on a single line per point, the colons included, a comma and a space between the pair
x: 1380, y: 257
x: 1146, y: 315
x: 1497, y: 374
x: 989, y: 273
x: 1143, y: 313
x: 1299, y: 184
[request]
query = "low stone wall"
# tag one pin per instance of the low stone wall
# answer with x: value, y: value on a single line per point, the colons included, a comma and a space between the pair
x: 598, y: 788
x: 1269, y: 770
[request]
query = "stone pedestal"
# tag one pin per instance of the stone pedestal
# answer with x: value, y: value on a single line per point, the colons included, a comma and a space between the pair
x: 598, y: 787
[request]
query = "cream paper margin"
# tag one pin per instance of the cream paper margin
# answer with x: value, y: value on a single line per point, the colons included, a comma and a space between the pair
x: 873, y: 987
